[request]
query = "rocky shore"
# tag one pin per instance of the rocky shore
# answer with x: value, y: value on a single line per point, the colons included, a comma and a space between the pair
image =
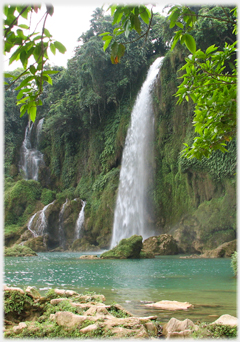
x: 68, y: 314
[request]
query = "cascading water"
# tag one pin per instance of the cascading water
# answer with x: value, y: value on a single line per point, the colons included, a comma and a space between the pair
x: 61, y: 219
x: 39, y: 227
x: 30, y: 158
x: 80, y: 221
x: 130, y: 211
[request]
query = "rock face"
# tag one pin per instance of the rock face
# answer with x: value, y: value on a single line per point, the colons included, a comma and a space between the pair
x: 224, y: 250
x: 170, y: 305
x: 126, y: 249
x: 163, y: 244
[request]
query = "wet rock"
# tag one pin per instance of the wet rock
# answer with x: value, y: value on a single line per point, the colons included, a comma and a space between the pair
x: 163, y: 244
x: 171, y: 305
x: 126, y: 249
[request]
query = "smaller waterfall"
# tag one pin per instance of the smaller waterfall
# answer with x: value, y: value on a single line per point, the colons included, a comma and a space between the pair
x: 30, y: 223
x: 40, y: 227
x: 61, y: 219
x: 80, y: 221
x: 30, y: 157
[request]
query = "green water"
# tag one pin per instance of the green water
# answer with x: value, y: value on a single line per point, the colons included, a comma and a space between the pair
x: 208, y: 284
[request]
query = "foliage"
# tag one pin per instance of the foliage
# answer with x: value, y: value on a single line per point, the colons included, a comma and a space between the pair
x: 116, y: 312
x: 18, y: 251
x: 210, y: 77
x: 47, y: 196
x: 20, y: 201
x: 234, y: 259
x: 15, y: 302
x: 217, y: 331
x: 26, y: 45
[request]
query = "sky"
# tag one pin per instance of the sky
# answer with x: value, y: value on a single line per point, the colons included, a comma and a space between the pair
x: 66, y: 25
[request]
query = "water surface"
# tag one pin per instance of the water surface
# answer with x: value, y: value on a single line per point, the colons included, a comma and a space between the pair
x: 208, y: 284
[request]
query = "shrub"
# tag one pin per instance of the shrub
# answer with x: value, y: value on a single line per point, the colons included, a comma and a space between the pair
x: 234, y: 262
x: 47, y: 196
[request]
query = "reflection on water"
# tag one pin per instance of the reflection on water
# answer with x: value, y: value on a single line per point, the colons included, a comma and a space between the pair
x: 207, y: 283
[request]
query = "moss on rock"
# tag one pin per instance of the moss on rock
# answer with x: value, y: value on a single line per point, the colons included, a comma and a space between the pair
x: 18, y: 251
x: 126, y: 249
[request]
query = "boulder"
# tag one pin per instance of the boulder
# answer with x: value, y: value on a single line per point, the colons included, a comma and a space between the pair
x: 37, y: 244
x: 32, y: 292
x: 18, y: 251
x: 18, y: 289
x: 224, y: 250
x: 163, y: 244
x: 227, y: 320
x: 170, y: 305
x: 126, y: 249
x: 177, y: 328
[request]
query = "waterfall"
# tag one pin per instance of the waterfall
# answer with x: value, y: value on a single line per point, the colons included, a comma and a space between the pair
x: 130, y: 210
x: 61, y: 219
x: 30, y: 157
x: 80, y: 221
x: 39, y: 228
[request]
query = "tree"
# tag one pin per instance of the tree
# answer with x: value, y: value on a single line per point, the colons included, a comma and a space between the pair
x: 23, y: 45
x: 210, y: 78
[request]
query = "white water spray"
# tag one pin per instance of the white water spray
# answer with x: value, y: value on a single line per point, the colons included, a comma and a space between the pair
x: 80, y: 221
x: 40, y: 226
x: 130, y: 213
x: 30, y: 158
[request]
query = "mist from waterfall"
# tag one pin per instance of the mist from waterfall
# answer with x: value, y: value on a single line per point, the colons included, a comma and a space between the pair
x: 30, y: 157
x: 130, y: 215
x: 80, y: 221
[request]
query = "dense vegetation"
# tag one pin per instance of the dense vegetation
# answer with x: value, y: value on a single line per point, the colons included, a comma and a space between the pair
x: 86, y: 115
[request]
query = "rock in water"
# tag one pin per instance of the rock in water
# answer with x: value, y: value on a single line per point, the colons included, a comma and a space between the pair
x: 126, y: 249
x: 171, y: 305
x: 163, y: 244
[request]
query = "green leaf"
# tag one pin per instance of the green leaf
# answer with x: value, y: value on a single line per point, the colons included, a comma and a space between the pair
x: 25, y: 13
x: 114, y: 48
x: 190, y: 42
x: 32, y: 112
x: 23, y: 26
x: 104, y: 34
x: 47, y: 33
x: 52, y: 48
x: 61, y: 48
x: 106, y: 44
x: 137, y: 24
x: 121, y: 50
x: 144, y: 15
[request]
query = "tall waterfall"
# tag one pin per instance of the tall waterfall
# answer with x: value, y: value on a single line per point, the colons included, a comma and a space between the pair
x: 80, y: 221
x: 30, y: 157
x: 130, y: 212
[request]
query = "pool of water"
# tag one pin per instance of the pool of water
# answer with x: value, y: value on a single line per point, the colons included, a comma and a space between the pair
x: 208, y: 284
